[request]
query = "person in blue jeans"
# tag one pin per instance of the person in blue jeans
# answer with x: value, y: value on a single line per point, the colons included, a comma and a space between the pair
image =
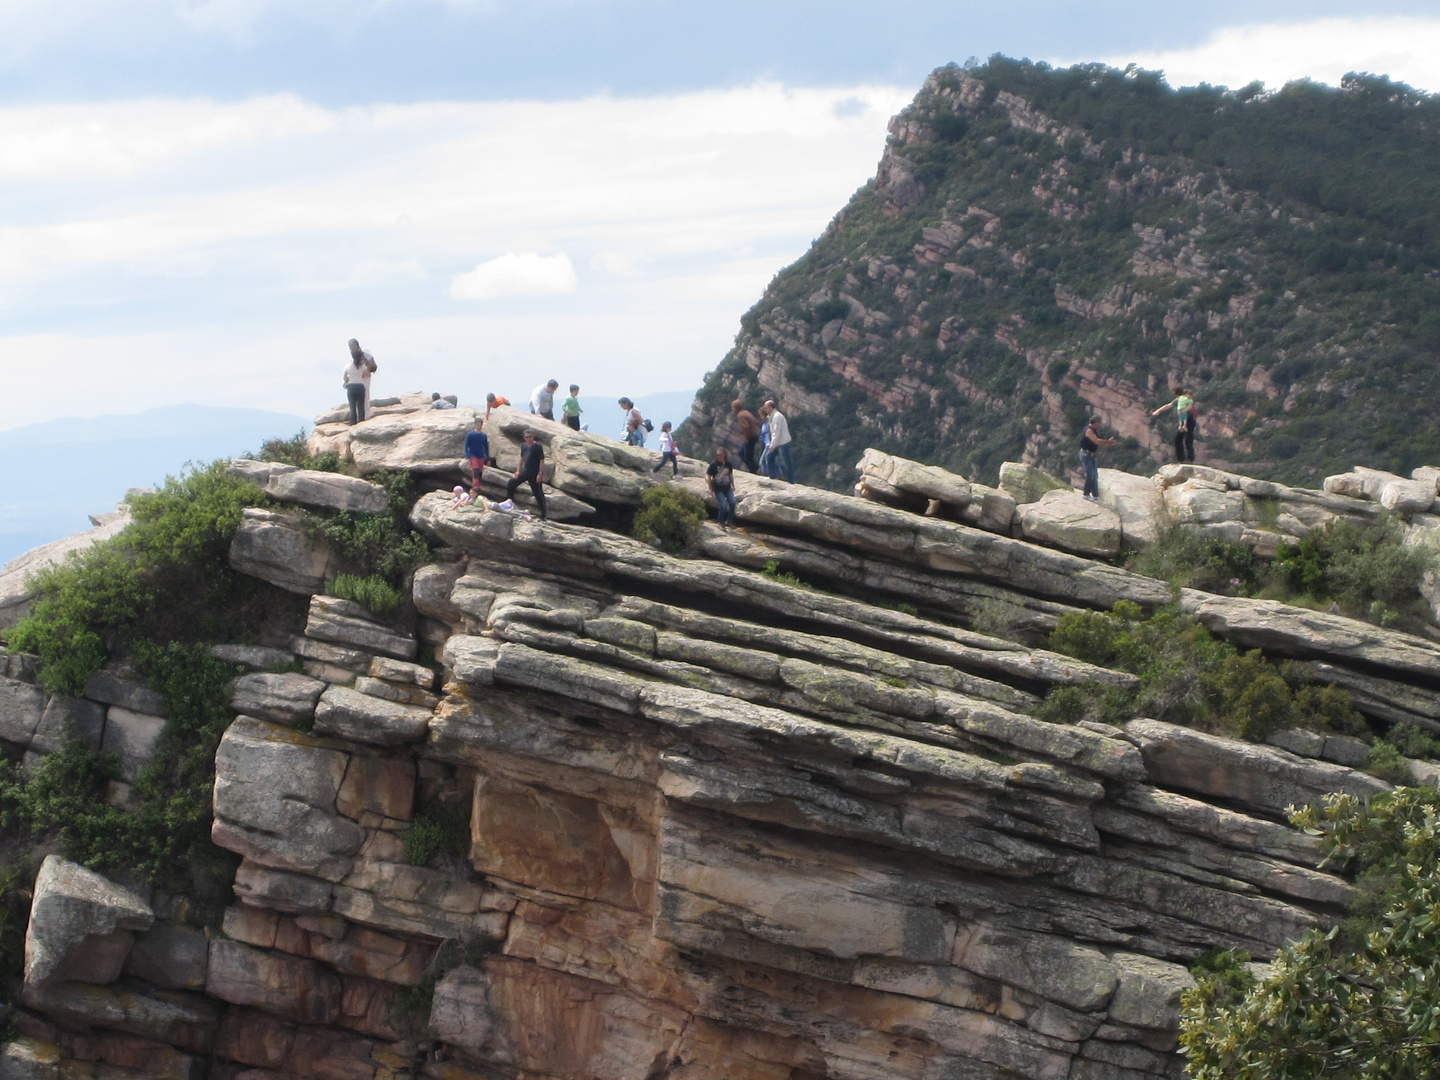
x: 782, y: 467
x: 767, y: 463
x: 722, y: 485
x: 1090, y: 441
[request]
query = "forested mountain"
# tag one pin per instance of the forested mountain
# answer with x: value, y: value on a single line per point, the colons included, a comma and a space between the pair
x: 1038, y: 244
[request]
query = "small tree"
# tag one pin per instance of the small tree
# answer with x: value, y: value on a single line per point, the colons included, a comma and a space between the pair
x: 1362, y: 1001
x: 668, y: 517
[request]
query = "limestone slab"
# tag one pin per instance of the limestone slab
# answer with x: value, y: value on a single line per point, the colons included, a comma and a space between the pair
x: 81, y: 926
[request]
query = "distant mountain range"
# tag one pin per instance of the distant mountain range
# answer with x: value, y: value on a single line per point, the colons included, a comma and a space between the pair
x: 55, y: 474
x: 1042, y: 245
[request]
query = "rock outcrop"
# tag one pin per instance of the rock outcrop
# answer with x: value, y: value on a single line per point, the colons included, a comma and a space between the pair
x: 584, y: 808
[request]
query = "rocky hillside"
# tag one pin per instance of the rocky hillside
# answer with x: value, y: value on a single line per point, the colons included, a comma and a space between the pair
x: 1039, y: 245
x: 578, y: 807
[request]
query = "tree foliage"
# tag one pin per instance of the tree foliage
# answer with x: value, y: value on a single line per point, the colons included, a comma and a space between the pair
x: 1360, y: 1007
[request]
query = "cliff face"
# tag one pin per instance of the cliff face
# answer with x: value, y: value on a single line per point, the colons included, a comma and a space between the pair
x: 1039, y: 246
x: 711, y: 823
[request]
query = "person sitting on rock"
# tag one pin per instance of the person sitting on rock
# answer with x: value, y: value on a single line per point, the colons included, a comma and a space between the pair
x: 749, y: 431
x: 1186, y: 418
x: 532, y: 457
x: 668, y: 453
x: 438, y: 402
x: 494, y: 401
x: 721, y: 478
x: 1090, y: 441
x: 477, y: 450
x: 634, y: 423
x: 542, y: 399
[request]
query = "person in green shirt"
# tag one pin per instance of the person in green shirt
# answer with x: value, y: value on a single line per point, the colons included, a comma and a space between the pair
x: 570, y: 408
x: 1186, y: 417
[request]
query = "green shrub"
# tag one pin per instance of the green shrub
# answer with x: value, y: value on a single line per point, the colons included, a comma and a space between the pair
x: 1355, y: 1003
x: 1188, y: 676
x: 157, y: 594
x: 668, y: 517
x: 772, y: 571
x: 1368, y: 572
x: 167, y: 831
x: 1412, y: 742
x: 1191, y: 560
x: 372, y: 592
x: 1388, y: 763
x: 441, y: 827
x: 1226, y: 969
x: 381, y: 544
x: 165, y: 577
x: 827, y: 310
x: 296, y: 451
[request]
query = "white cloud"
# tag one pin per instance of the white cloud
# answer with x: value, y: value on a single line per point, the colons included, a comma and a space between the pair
x: 123, y: 138
x: 1405, y: 48
x: 524, y: 274
x: 187, y: 241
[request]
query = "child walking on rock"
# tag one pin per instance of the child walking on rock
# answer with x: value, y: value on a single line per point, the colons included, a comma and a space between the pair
x: 668, y: 452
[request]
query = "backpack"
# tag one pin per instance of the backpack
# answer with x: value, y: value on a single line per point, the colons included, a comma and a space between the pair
x: 648, y: 425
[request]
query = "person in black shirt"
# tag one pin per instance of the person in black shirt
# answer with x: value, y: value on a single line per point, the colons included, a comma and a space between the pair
x: 1090, y: 441
x: 532, y: 456
x: 722, y: 485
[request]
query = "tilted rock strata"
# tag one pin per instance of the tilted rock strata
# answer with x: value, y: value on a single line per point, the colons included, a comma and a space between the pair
x: 719, y: 824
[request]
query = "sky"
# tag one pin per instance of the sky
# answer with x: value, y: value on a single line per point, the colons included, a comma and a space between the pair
x: 201, y: 200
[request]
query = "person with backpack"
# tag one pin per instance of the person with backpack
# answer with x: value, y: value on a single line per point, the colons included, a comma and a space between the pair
x: 635, y: 425
x: 668, y: 453
x: 721, y: 478
x: 1186, y: 420
x: 1090, y: 441
x: 532, y: 457
x: 356, y: 381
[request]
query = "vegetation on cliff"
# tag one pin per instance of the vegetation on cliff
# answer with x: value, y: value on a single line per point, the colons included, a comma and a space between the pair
x: 1358, y: 1001
x: 1042, y: 244
x: 1188, y: 676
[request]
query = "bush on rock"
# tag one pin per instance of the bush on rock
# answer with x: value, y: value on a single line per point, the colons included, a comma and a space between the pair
x: 1361, y: 1001
x: 668, y: 518
x: 1188, y: 676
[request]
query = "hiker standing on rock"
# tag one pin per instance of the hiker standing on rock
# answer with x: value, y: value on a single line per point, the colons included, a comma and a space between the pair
x: 542, y: 399
x: 477, y: 449
x: 721, y: 478
x: 532, y: 456
x: 1186, y: 419
x: 1090, y: 441
x: 357, y: 382
x: 749, y: 431
x: 780, y: 441
x: 570, y: 408
x: 668, y: 453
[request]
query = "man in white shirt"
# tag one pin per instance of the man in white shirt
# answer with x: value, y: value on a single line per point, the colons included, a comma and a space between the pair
x: 780, y: 440
x: 542, y: 400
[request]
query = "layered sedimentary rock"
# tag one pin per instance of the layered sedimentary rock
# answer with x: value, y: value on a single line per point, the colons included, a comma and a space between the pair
x: 712, y: 822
